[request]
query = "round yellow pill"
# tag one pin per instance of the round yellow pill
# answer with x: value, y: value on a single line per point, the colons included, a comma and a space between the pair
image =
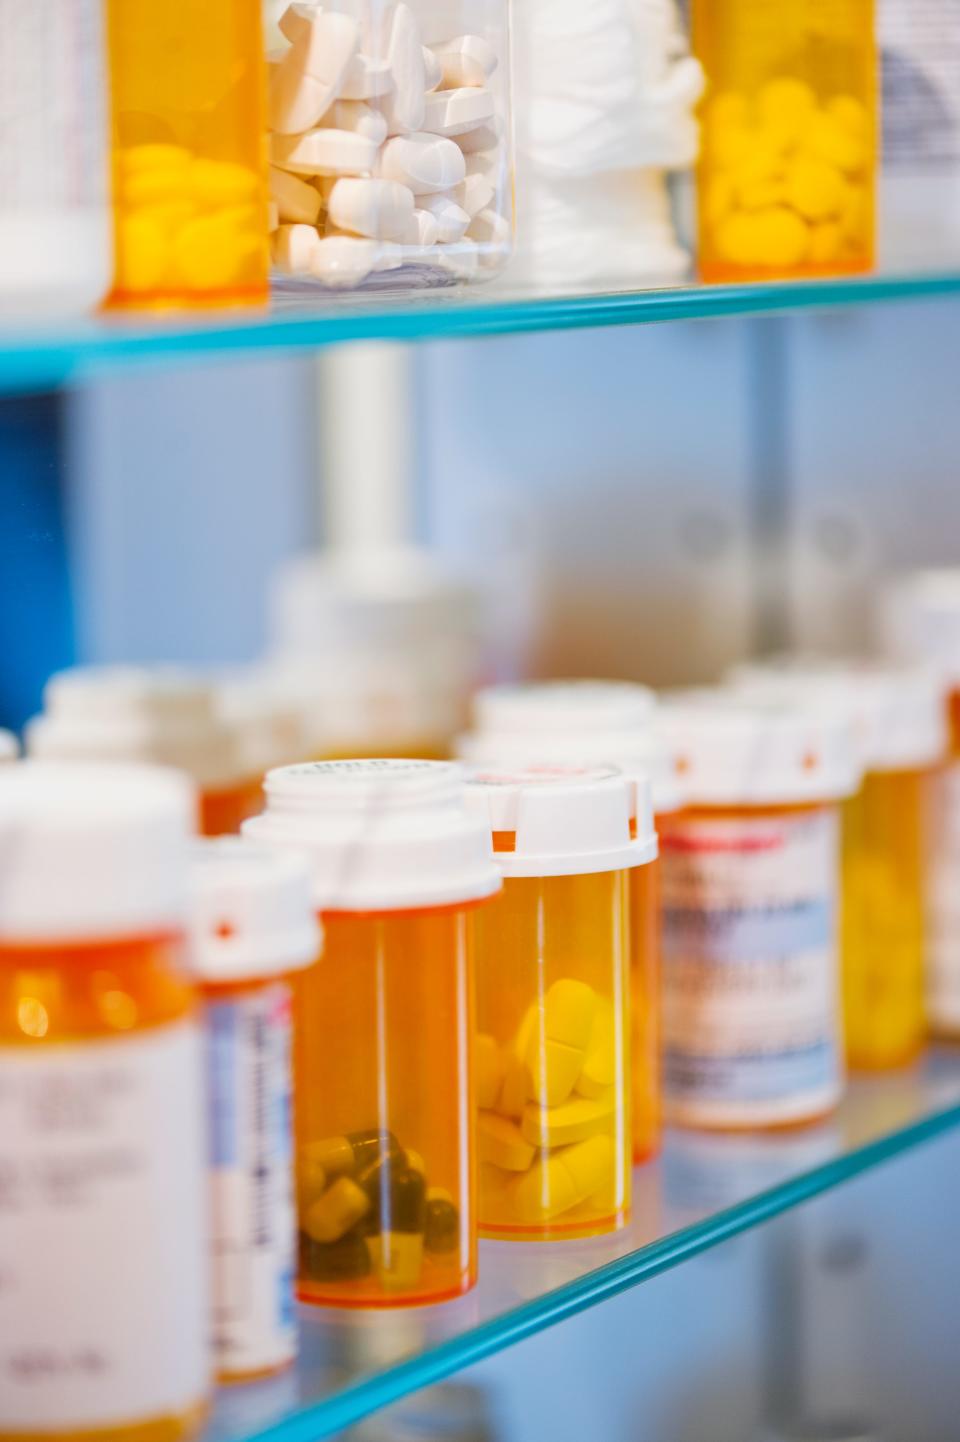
x: 759, y: 194
x: 154, y: 156
x: 730, y: 144
x: 737, y: 240
x: 143, y: 253
x: 828, y: 140
x: 784, y: 108
x: 814, y: 188
x: 782, y: 238
x: 207, y: 254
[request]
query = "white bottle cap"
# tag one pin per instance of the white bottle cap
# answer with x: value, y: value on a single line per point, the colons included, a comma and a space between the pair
x: 898, y: 713
x: 566, y: 820
x: 253, y: 913
x: 381, y: 835
x: 9, y: 750
x: 578, y: 723
x: 92, y: 852
x: 920, y: 621
x: 144, y: 714
x: 732, y: 751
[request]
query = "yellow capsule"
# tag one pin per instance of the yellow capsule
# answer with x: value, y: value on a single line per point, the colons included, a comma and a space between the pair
x: 340, y: 1208
x: 826, y: 241
x: 814, y: 188
x: 501, y: 1142
x: 782, y: 238
x: 143, y: 253
x: 397, y: 1258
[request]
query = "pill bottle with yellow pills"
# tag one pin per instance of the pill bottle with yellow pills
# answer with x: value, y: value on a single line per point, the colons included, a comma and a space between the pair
x: 787, y: 176
x: 189, y: 155
x: 750, y: 872
x: 104, y: 1307
x: 591, y: 723
x: 900, y: 724
x: 159, y: 715
x: 553, y: 1001
x: 383, y: 1027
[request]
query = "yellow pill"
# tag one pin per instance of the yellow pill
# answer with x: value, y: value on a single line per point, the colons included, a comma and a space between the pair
x: 242, y: 217
x: 737, y: 240
x: 572, y: 1121
x: 169, y: 214
x: 786, y: 105
x: 492, y: 1184
x: 730, y: 144
x: 221, y: 182
x: 760, y: 194
x: 718, y: 201
x: 826, y: 241
x: 501, y: 1142
x: 339, y: 1209
x: 553, y: 1068
x: 207, y: 254
x: 762, y: 163
x: 311, y: 1180
x: 397, y: 1258
x: 728, y: 108
x: 488, y: 1066
x: 516, y: 1088
x: 828, y: 140
x: 154, y: 156
x: 600, y: 1066
x: 814, y: 188
x: 591, y: 1163
x: 562, y: 1180
x: 143, y: 253
x: 149, y: 187
x: 851, y: 113
x: 782, y: 238
x: 329, y: 1157
x: 568, y: 1012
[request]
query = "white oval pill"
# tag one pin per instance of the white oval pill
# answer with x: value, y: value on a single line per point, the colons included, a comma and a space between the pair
x: 366, y: 79
x: 452, y: 220
x: 424, y: 229
x: 474, y: 193
x: 432, y: 70
x: 380, y: 209
x: 489, y: 228
x: 342, y: 261
x: 308, y: 78
x: 324, y: 152
x: 297, y: 202
x: 454, y: 112
x: 405, y: 104
x: 425, y: 163
x: 467, y: 60
x: 293, y: 248
x: 484, y: 137
x: 357, y: 116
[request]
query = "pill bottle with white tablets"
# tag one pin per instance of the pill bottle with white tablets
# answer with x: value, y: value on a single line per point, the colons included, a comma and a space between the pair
x: 899, y: 719
x: 254, y: 926
x: 104, y: 1310
x: 787, y: 176
x: 750, y: 874
x: 383, y: 1027
x: 55, y: 241
x: 152, y: 714
x: 553, y: 1001
x: 590, y: 723
x: 189, y: 170
x: 390, y: 143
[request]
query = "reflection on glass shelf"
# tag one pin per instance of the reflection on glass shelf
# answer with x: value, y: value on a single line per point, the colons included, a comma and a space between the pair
x: 52, y: 354
x: 705, y: 1189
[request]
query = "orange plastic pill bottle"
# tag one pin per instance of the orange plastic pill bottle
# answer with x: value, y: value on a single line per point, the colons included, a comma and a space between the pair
x: 383, y: 1027
x: 254, y: 926
x: 104, y: 1311
x: 753, y: 1032
x: 597, y: 723
x: 553, y: 1002
x: 159, y: 715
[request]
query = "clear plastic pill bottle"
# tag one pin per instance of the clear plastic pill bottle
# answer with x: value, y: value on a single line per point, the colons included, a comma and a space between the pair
x: 55, y: 243
x: 597, y: 723
x: 383, y: 1027
x: 152, y: 714
x: 900, y: 725
x: 750, y: 873
x: 104, y: 1311
x: 254, y: 926
x: 787, y: 176
x: 391, y: 159
x: 553, y: 1002
x: 189, y: 170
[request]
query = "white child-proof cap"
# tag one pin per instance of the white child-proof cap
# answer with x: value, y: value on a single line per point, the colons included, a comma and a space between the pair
x: 897, y: 712
x: 92, y: 852
x: 566, y: 820
x: 253, y: 912
x: 585, y: 723
x: 919, y: 621
x: 733, y: 751
x: 380, y: 835
x: 9, y: 750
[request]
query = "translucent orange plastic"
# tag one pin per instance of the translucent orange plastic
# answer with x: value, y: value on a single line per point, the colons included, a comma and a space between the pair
x: 383, y: 1046
x: 223, y: 812
x: 189, y: 171
x: 553, y: 1056
x: 882, y: 920
x: 90, y: 992
x: 645, y: 1008
x: 787, y: 175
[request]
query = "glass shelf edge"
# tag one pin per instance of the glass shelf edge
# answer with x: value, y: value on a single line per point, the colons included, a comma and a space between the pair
x: 360, y: 1399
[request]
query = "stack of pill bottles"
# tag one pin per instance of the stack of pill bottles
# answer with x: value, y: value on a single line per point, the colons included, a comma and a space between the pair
x: 900, y: 724
x: 750, y: 876
x: 920, y: 624
x: 383, y: 1026
x: 253, y: 927
x: 159, y: 715
x: 189, y: 163
x: 591, y: 723
x: 788, y: 168
x: 553, y: 1000
x: 104, y: 1209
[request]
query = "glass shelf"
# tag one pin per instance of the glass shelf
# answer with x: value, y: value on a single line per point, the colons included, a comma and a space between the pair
x: 42, y: 356
x: 703, y: 1190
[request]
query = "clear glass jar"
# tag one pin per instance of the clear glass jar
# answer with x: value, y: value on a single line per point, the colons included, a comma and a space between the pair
x: 787, y: 175
x: 390, y: 143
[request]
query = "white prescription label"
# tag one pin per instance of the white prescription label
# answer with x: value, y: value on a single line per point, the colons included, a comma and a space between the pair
x: 751, y: 1006
x: 248, y: 1042
x: 943, y: 900
x: 104, y: 1304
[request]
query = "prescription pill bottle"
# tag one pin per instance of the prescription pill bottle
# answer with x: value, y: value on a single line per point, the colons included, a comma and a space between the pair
x: 787, y: 177
x: 391, y: 143
x: 254, y: 926
x: 104, y: 1309
x: 590, y: 723
x: 189, y: 170
x: 898, y: 717
x: 553, y: 1002
x: 383, y: 1027
x: 154, y: 714
x: 750, y: 873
